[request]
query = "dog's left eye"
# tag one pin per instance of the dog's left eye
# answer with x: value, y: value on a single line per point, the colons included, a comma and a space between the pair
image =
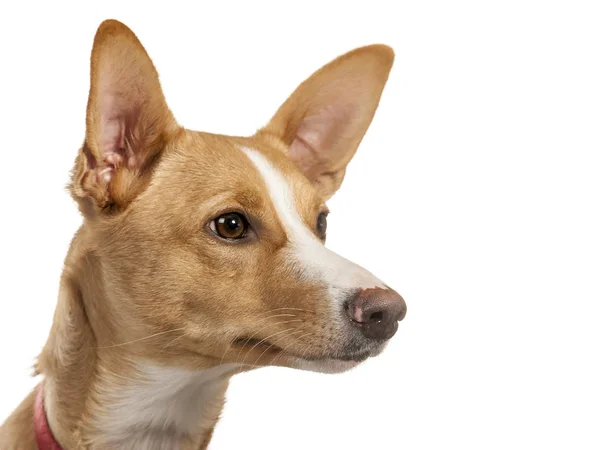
x: 322, y: 225
x: 230, y: 226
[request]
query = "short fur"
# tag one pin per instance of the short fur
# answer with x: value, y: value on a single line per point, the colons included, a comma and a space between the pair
x: 154, y: 308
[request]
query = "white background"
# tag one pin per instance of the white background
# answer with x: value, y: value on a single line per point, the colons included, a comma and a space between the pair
x: 475, y: 194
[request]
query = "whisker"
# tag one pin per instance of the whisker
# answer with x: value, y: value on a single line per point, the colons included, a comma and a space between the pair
x: 261, y: 329
x: 263, y: 340
x: 229, y: 347
x: 307, y: 347
x: 257, y: 359
x: 279, y: 315
x: 265, y: 351
x: 296, y: 339
x: 172, y: 342
x: 140, y: 339
x: 289, y: 309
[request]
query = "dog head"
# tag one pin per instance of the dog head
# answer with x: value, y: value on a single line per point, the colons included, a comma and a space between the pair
x: 214, y: 245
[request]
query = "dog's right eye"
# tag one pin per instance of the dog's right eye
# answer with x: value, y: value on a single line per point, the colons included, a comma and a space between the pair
x: 230, y: 226
x: 322, y: 225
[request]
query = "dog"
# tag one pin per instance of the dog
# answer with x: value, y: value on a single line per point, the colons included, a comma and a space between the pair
x: 200, y: 256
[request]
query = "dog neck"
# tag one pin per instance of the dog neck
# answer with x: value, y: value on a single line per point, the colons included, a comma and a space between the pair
x: 107, y: 396
x: 162, y: 408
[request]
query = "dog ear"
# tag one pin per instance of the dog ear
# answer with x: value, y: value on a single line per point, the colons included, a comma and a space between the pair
x: 127, y: 123
x: 324, y: 120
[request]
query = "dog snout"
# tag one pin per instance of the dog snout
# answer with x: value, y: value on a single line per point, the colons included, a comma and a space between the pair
x: 376, y: 312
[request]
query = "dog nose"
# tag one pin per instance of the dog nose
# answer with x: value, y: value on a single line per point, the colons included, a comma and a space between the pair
x: 376, y: 312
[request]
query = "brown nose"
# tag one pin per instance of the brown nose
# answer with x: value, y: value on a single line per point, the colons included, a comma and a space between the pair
x: 376, y: 312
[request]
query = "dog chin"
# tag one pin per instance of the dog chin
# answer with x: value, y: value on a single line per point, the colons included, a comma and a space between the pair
x: 324, y: 365
x: 331, y: 365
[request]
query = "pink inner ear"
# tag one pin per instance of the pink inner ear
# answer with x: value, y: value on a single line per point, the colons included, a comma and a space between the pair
x: 314, y: 148
x: 112, y: 130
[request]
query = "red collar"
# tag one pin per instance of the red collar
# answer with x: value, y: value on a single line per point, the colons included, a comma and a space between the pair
x: 43, y: 435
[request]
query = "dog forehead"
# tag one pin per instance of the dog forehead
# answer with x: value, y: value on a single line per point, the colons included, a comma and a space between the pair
x: 202, y: 167
x: 287, y: 187
x: 295, y: 201
x: 199, y: 166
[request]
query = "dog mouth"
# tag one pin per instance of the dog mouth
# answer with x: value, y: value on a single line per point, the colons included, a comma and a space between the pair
x: 355, y: 357
x: 346, y: 357
x: 256, y: 344
x: 350, y: 356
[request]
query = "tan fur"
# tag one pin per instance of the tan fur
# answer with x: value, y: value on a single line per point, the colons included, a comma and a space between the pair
x: 145, y: 278
x: 17, y: 432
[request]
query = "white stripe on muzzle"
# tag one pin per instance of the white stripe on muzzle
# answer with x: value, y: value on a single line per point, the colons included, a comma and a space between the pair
x: 310, y: 256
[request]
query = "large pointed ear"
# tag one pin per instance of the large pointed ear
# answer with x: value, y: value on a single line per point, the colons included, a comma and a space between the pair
x: 324, y: 120
x: 127, y: 124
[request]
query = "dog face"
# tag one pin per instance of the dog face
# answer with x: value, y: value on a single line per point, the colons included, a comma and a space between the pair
x: 214, y: 245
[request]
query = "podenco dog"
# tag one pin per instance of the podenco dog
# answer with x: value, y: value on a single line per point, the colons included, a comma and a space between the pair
x: 200, y: 256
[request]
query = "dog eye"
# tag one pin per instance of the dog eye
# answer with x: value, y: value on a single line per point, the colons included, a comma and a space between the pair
x: 322, y: 225
x: 230, y: 226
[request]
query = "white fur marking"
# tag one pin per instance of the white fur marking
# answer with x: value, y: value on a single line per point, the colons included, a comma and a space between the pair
x: 317, y: 261
x: 163, y: 407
